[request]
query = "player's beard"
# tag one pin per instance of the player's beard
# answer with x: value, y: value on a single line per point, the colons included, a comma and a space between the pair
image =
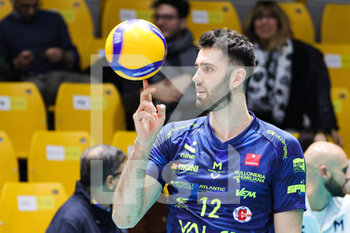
x: 215, y: 101
x: 334, y: 188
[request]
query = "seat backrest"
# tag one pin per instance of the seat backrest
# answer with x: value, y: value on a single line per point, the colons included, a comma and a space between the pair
x: 337, y: 58
x: 341, y: 103
x: 54, y: 156
x: 8, y: 161
x: 96, y: 108
x: 29, y: 207
x: 77, y: 16
x: 124, y: 140
x: 115, y: 12
x: 207, y: 15
x: 5, y: 8
x: 334, y: 24
x: 22, y: 112
x: 300, y: 21
x: 94, y: 49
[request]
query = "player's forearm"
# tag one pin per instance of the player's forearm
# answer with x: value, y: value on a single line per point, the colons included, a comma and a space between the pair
x: 129, y: 196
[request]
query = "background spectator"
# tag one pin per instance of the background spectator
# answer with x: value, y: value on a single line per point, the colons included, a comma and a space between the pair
x: 89, y: 208
x: 34, y: 43
x: 291, y: 81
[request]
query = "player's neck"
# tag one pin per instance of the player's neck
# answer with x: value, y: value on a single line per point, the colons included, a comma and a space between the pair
x: 230, y: 121
x: 318, y: 197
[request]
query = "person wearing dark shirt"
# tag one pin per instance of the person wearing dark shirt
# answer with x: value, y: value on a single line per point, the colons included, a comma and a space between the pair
x: 88, y: 210
x: 35, y: 46
x: 35, y: 41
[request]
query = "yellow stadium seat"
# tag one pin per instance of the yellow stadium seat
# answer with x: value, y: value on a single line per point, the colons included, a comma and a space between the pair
x: 54, y: 156
x: 96, y: 108
x: 93, y: 50
x: 207, y: 15
x: 77, y: 17
x: 300, y: 21
x: 114, y: 12
x: 124, y: 140
x: 22, y: 112
x: 337, y: 58
x: 341, y: 103
x: 29, y: 207
x: 335, y: 24
x: 8, y: 161
x: 5, y: 8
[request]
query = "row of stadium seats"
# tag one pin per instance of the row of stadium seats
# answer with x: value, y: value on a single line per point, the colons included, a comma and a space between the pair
x: 54, y: 166
x: 204, y: 16
x: 54, y: 156
x: 96, y: 108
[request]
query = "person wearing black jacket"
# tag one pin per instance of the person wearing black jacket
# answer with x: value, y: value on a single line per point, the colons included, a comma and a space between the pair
x: 88, y: 210
x: 290, y: 87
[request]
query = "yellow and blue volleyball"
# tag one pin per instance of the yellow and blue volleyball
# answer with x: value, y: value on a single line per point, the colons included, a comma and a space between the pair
x: 136, y: 49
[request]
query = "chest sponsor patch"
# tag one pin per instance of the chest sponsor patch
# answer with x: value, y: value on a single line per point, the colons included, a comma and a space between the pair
x: 252, y: 160
x: 242, y: 214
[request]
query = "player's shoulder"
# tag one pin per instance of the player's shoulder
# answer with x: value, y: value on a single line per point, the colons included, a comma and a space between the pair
x: 275, y: 135
x: 179, y: 128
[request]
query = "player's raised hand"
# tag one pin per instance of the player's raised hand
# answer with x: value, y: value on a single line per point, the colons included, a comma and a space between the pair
x: 148, y: 119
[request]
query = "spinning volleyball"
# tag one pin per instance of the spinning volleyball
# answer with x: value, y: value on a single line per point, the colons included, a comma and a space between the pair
x: 135, y: 49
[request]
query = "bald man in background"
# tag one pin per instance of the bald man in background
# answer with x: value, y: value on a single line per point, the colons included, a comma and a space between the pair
x: 328, y: 206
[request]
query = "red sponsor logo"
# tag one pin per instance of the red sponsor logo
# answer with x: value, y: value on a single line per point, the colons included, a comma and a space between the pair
x: 252, y: 160
x: 174, y: 166
x: 242, y: 214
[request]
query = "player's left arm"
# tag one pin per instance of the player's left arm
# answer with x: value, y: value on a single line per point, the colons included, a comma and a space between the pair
x: 288, y: 221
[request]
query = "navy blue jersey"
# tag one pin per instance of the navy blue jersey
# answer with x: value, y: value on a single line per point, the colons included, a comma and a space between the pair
x: 226, y: 187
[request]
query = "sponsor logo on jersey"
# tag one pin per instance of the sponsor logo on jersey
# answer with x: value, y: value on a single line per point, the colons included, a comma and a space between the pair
x: 285, y: 151
x: 217, y: 165
x: 217, y: 169
x: 182, y: 203
x: 209, y: 188
x: 245, y: 193
x: 186, y: 156
x: 190, y: 227
x: 214, y: 176
x: 297, y: 188
x: 242, y: 214
x: 179, y: 128
x: 184, y: 167
x: 299, y: 165
x: 252, y: 159
x: 182, y: 185
x: 249, y: 176
x: 190, y: 148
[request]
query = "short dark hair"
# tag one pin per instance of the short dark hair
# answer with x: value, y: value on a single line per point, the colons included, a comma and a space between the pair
x: 237, y: 47
x: 111, y: 156
x: 182, y: 6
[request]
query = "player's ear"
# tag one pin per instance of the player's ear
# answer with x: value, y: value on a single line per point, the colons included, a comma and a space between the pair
x: 238, y: 77
x: 110, y: 182
x: 183, y: 24
x: 324, y: 171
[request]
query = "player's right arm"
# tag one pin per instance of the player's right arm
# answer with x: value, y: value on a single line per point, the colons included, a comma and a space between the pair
x: 136, y: 192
